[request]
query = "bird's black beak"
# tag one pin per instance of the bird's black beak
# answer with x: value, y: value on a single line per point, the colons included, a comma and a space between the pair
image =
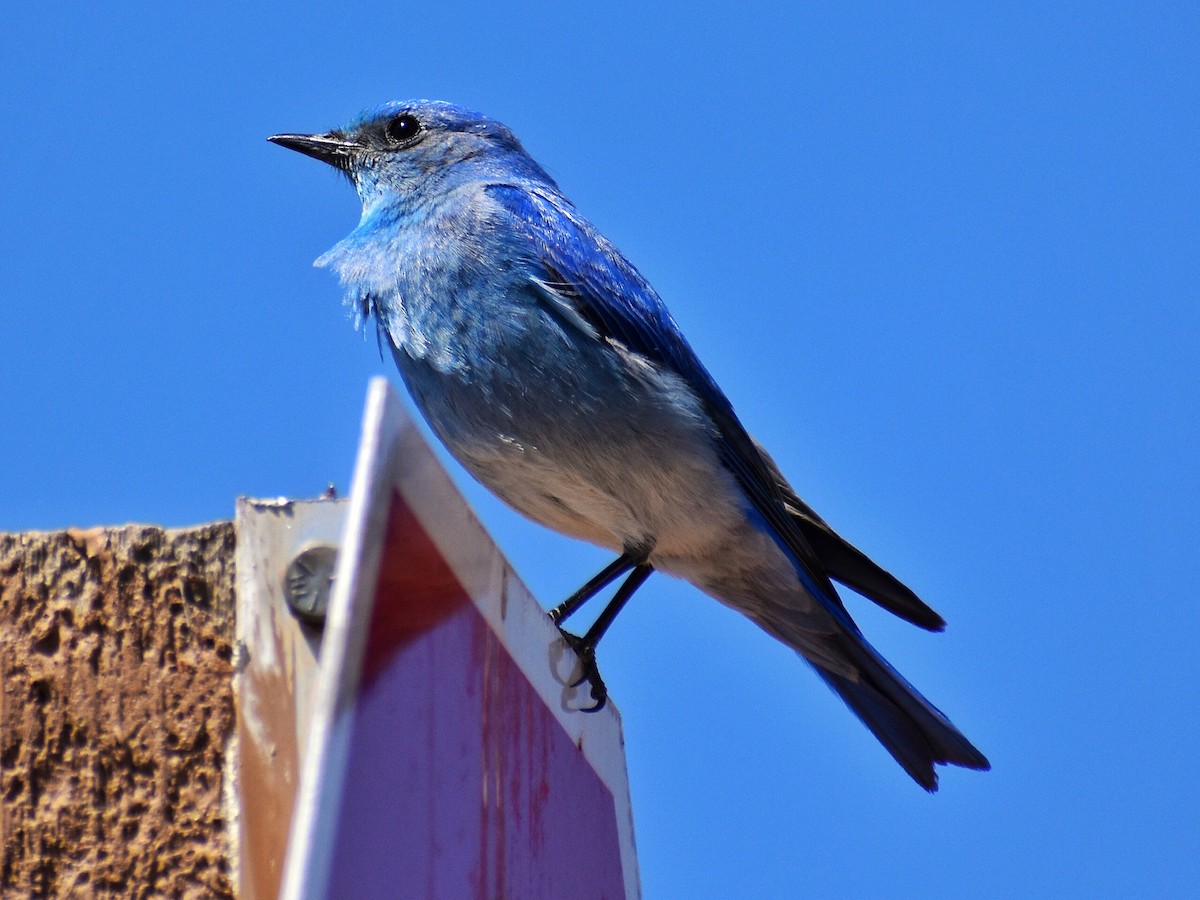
x: 332, y: 148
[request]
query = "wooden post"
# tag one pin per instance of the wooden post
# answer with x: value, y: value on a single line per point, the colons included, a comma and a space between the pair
x: 116, y: 706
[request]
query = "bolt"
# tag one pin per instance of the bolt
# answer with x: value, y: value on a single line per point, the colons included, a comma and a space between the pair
x: 308, y: 580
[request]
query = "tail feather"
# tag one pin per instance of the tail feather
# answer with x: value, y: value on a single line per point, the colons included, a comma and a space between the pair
x: 914, y: 731
x: 844, y: 562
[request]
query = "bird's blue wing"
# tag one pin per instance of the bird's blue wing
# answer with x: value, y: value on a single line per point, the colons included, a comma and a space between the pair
x: 587, y: 274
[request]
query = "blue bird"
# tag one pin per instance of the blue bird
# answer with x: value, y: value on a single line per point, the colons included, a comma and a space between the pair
x: 554, y: 373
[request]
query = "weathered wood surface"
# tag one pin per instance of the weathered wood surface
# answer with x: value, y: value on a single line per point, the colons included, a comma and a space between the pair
x: 116, y: 709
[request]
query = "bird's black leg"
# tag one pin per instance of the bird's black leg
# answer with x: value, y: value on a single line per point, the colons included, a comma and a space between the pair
x: 585, y: 647
x: 603, y: 579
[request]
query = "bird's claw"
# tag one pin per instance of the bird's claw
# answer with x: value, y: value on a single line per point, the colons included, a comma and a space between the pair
x: 589, y: 672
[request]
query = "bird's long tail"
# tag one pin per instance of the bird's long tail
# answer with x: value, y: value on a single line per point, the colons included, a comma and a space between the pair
x: 914, y: 731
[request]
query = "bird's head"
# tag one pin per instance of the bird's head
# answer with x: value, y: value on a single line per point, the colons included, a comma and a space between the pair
x: 403, y: 151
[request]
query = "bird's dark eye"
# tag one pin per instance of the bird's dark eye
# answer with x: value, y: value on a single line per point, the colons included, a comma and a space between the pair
x: 402, y: 128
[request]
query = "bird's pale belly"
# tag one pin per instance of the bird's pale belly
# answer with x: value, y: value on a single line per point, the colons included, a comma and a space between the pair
x: 638, y: 505
x: 701, y: 536
x: 620, y: 458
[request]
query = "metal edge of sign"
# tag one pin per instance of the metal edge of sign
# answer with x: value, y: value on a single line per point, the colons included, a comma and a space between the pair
x: 306, y: 870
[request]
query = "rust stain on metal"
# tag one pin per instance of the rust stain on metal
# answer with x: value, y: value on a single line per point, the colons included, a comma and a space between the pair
x: 268, y: 773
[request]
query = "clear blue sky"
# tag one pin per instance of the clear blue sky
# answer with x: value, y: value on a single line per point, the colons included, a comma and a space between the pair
x: 945, y: 262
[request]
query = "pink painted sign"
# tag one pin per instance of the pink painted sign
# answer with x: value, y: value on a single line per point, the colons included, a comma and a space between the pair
x: 448, y: 757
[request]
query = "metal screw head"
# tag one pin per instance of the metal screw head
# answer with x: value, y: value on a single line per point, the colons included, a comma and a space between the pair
x: 308, y: 579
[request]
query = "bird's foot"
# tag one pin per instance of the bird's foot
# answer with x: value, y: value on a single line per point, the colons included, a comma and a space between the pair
x: 589, y: 671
